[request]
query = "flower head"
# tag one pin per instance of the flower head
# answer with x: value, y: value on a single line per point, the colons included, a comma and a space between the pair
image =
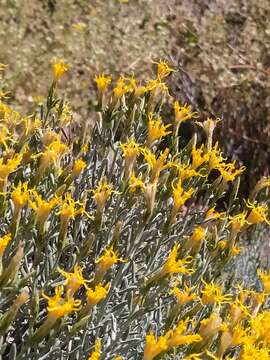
x: 59, y: 68
x: 154, y: 347
x: 258, y: 213
x: 184, y: 296
x: 4, y: 241
x: 163, y: 69
x: 265, y: 279
x: 178, y: 336
x: 78, y: 167
x: 156, y: 129
x: 59, y: 306
x: 101, y: 194
x: 174, y: 265
x: 102, y: 81
x: 180, y: 196
x: 94, y: 296
x: 156, y: 164
x: 41, y: 206
x: 97, y: 351
x: 212, y: 293
x: 74, y: 280
x: 198, y: 156
x: 20, y: 195
x: 183, y: 113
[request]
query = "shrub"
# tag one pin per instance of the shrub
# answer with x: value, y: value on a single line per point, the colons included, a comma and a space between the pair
x: 114, y: 237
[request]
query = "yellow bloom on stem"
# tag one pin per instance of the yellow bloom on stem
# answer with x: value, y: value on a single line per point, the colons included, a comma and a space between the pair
x: 178, y: 336
x: 237, y: 308
x: 156, y: 86
x: 252, y: 352
x: 42, y: 207
x: 94, y: 296
x: 183, y: 113
x: 121, y: 88
x: 228, y: 171
x: 130, y: 151
x: 102, y: 81
x: 105, y: 262
x: 212, y: 293
x: 59, y: 306
x: 184, y: 296
x: 78, y: 167
x: 174, y: 265
x: 198, y: 156
x: 138, y: 90
x: 260, y: 326
x: 101, y: 194
x: 7, y: 168
x: 97, y: 351
x: 4, y: 241
x: 74, y: 280
x: 135, y: 182
x: 185, y: 171
x: 194, y: 242
x: 156, y: 129
x: 213, y: 214
x: 163, y: 69
x: 180, y: 196
x: 258, y: 213
x: 210, y: 326
x: 215, y: 158
x: 156, y: 164
x: 20, y: 195
x: 154, y: 347
x: 50, y: 156
x: 265, y: 279
x: 238, y: 222
x: 59, y: 68
x: 69, y: 209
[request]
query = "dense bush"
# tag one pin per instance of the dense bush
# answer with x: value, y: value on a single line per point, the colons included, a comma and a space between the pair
x: 114, y: 236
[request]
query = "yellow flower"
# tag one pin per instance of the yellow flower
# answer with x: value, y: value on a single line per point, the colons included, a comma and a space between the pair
x: 121, y: 88
x: 215, y: 158
x: 59, y: 68
x: 212, y: 293
x: 156, y: 129
x: 51, y: 156
x: 156, y: 164
x: 156, y: 86
x: 265, y: 279
x: 96, y: 295
x: 237, y: 309
x: 252, y: 352
x: 138, y: 90
x: 42, y: 207
x: 198, y: 157
x: 102, y: 81
x: 78, y: 166
x: 163, y: 69
x: 179, y: 195
x: 174, y: 265
x: 4, y: 241
x: 238, y: 221
x: 101, y: 194
x: 185, y: 295
x: 229, y: 172
x: 20, y: 195
x: 59, y: 306
x: 183, y: 113
x: 69, y: 209
x: 210, y: 326
x: 154, y: 347
x: 258, y: 213
x: 97, y: 352
x: 105, y: 262
x: 135, y: 182
x: 178, y: 336
x: 194, y: 242
x: 185, y: 171
x: 213, y: 214
x: 74, y: 280
x: 10, y: 166
x: 260, y: 325
x: 130, y: 151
